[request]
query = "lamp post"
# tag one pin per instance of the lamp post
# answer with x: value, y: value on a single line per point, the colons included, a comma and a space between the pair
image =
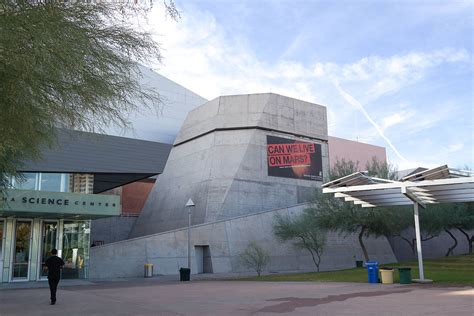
x: 190, y: 204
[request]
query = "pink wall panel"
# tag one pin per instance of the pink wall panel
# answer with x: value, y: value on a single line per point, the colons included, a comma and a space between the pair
x: 340, y: 148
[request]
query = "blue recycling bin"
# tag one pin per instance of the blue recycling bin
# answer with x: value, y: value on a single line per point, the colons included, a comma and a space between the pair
x: 372, y: 271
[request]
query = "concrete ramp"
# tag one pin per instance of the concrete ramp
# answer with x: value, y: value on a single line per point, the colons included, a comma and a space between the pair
x: 225, y: 240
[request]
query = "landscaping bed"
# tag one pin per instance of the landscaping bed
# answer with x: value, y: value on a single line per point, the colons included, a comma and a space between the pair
x: 456, y: 270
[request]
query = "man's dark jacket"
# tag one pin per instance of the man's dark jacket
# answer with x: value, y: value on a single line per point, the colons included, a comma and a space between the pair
x: 54, y: 264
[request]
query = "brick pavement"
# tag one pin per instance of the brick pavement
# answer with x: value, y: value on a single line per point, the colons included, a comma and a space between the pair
x: 168, y: 297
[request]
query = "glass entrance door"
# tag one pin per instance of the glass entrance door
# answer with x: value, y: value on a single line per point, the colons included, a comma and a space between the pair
x: 76, y: 249
x: 21, y: 256
x: 49, y: 240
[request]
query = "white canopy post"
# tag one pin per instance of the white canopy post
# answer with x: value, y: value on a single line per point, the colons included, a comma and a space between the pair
x: 418, y: 242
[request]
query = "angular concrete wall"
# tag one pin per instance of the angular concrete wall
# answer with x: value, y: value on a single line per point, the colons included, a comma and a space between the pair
x: 220, y: 161
x: 265, y: 110
x: 226, y: 240
x: 111, y: 229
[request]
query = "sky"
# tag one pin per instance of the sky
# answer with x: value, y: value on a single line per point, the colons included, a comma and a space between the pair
x: 398, y: 74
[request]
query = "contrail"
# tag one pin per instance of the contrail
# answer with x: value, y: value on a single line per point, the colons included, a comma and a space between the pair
x: 359, y: 106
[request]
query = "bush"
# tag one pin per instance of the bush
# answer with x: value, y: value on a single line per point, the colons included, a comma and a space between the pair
x: 255, y: 257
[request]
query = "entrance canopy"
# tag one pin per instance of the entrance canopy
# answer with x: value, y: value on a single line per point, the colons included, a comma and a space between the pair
x: 437, y: 185
x: 114, y: 161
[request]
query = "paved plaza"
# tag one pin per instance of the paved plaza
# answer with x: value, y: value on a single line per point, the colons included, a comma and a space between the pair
x: 168, y: 297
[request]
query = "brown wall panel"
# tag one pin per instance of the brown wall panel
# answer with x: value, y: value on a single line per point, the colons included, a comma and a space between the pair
x: 134, y: 196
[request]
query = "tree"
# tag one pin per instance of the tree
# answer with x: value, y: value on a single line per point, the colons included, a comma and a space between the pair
x: 447, y: 217
x: 374, y: 168
x: 434, y: 219
x: 337, y: 215
x: 412, y: 241
x: 347, y: 218
x: 465, y: 222
x: 438, y: 218
x: 304, y: 232
x: 465, y: 216
x: 255, y: 257
x: 67, y: 64
x: 381, y: 169
x: 430, y: 226
x: 343, y: 168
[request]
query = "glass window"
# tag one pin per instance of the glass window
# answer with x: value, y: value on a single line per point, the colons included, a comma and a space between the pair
x: 64, y: 182
x: 49, y: 234
x: 27, y: 182
x: 75, y: 252
x: 50, y: 182
x: 22, y: 250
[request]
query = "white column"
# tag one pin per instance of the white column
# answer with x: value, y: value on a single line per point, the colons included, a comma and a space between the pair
x: 35, y: 250
x: 418, y: 242
x: 189, y: 237
x: 59, y: 243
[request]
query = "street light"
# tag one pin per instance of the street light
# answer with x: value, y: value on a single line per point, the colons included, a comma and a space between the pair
x: 190, y: 204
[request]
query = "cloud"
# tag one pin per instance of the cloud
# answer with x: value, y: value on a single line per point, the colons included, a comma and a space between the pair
x: 396, y: 118
x: 201, y: 55
x: 296, y: 44
x: 454, y: 148
x: 349, y: 98
x: 388, y: 75
x: 430, y: 119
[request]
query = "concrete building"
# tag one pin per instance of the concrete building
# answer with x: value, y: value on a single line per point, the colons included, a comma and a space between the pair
x: 160, y: 124
x: 219, y: 159
x: 242, y: 159
x: 156, y: 124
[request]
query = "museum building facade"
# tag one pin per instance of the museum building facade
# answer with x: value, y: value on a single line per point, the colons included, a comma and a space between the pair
x: 242, y: 159
x: 52, y: 203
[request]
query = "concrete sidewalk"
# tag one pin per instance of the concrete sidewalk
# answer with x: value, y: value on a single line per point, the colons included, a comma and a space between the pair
x: 145, y: 281
x: 101, y: 282
x: 160, y: 297
x: 157, y: 279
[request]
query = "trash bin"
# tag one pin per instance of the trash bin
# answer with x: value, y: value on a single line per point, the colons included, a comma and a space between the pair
x: 148, y: 270
x: 405, y: 275
x: 184, y: 274
x: 386, y: 275
x: 372, y: 271
x: 359, y: 264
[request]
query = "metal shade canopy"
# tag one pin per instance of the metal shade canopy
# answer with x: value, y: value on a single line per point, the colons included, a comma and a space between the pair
x: 431, y: 186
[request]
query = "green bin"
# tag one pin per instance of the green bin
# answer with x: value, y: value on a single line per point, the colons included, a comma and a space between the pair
x: 184, y: 274
x: 405, y: 275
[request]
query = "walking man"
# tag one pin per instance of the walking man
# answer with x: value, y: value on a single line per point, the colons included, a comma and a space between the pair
x: 54, y: 264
